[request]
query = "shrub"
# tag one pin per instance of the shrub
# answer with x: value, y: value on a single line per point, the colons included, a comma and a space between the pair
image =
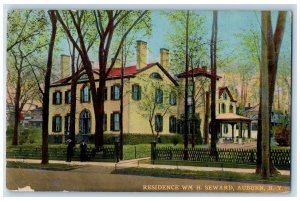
x: 175, y: 140
x: 282, y: 135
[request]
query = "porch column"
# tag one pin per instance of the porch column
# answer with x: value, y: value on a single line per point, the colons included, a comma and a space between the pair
x: 240, y: 130
x: 232, y: 126
x: 221, y: 130
x: 249, y: 129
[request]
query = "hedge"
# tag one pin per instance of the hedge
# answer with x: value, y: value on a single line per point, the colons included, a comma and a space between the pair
x: 131, y: 139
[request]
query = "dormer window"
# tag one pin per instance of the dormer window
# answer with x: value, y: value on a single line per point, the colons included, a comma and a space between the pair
x: 225, y: 96
x: 156, y: 76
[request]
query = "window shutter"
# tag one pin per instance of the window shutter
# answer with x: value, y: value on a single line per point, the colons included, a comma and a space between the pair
x: 60, y: 122
x: 112, y: 121
x: 66, y: 96
x: 89, y: 94
x: 132, y: 92
x: 81, y: 95
x: 53, y: 98
x: 161, y: 123
x: 170, y: 125
x: 105, y: 93
x: 53, y: 124
x: 112, y: 93
x: 139, y: 92
x: 60, y: 97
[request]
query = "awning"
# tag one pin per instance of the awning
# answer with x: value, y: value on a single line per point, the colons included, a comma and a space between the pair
x: 231, y: 118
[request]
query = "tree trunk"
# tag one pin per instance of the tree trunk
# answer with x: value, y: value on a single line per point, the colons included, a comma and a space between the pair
x: 213, y: 83
x: 99, y: 114
x: 185, y: 157
x: 45, y: 157
x: 17, y: 110
x: 206, y: 130
x: 265, y: 96
x: 121, y: 110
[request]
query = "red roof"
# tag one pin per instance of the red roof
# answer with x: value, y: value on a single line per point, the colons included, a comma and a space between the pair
x: 129, y: 70
x: 117, y: 72
x: 225, y: 88
x: 197, y: 72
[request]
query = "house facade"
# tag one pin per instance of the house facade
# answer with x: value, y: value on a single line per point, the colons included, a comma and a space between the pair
x: 151, y: 91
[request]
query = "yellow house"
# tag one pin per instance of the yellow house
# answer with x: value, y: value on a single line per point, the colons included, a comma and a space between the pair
x: 146, y: 86
x: 135, y: 79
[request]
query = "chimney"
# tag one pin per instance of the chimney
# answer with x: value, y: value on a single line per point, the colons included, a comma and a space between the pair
x: 65, y: 66
x: 165, y: 58
x: 118, y: 63
x: 141, y: 54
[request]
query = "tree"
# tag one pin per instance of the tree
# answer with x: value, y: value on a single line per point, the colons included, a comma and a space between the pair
x: 45, y: 157
x: 213, y: 63
x: 188, y: 47
x: 155, y: 100
x: 23, y: 44
x: 105, y: 23
x: 270, y: 54
x: 127, y: 50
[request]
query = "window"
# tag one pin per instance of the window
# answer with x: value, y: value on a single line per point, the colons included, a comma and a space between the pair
x: 105, y: 122
x: 85, y: 94
x: 115, y: 121
x: 115, y: 92
x: 67, y: 124
x: 224, y: 95
x: 190, y: 89
x: 158, y: 123
x: 173, y: 98
x: 231, y: 108
x: 156, y: 76
x: 159, y: 96
x: 136, y: 92
x: 85, y: 122
x: 254, y: 126
x: 225, y: 128
x: 223, y: 108
x: 172, y: 124
x: 105, y: 92
x: 68, y: 97
x: 57, y: 98
x: 56, y: 123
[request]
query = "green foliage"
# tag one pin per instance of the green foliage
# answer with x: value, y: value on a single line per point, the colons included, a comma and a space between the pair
x: 134, y: 139
x: 26, y: 135
x: 175, y: 140
x: 282, y: 134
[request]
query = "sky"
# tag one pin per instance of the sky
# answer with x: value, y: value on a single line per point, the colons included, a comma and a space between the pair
x: 229, y: 24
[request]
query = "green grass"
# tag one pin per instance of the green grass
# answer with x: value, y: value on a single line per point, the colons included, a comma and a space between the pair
x: 218, y: 175
x: 198, y: 164
x: 57, y: 167
x: 136, y: 151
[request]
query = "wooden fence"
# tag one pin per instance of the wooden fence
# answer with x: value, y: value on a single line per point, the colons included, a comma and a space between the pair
x: 280, y: 157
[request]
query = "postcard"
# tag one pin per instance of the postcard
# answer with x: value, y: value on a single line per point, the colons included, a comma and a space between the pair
x: 148, y: 100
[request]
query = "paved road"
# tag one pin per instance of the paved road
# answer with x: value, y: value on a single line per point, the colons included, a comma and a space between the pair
x: 92, y: 178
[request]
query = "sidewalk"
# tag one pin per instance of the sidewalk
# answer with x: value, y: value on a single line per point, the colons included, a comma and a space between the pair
x: 136, y: 163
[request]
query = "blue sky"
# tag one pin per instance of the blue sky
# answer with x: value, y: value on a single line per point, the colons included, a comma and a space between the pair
x: 229, y: 24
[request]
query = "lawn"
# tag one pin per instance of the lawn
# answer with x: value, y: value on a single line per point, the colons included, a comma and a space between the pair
x: 52, y: 166
x: 218, y: 175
